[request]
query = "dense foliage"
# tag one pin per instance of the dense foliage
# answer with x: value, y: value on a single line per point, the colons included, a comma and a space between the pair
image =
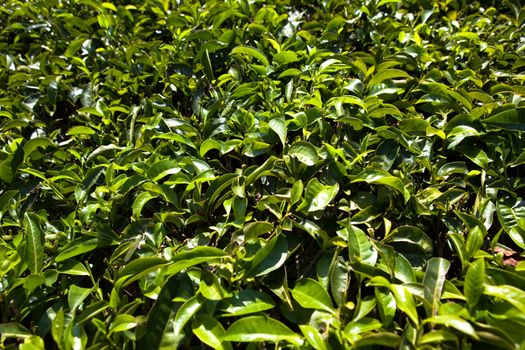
x: 314, y: 174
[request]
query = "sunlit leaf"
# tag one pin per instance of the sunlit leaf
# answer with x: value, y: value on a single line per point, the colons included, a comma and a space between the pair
x: 252, y: 52
x: 260, y: 328
x: 511, y: 119
x: 210, y: 332
x: 310, y: 294
x: 34, y: 243
x: 474, y: 280
x: 433, y: 281
x: 305, y: 152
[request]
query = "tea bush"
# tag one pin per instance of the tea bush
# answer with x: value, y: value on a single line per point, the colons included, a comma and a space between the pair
x: 284, y: 173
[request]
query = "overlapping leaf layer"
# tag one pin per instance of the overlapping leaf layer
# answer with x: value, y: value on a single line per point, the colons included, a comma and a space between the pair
x: 314, y: 174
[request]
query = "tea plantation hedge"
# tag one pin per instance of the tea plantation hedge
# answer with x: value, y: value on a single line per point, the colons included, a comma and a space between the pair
x: 262, y: 174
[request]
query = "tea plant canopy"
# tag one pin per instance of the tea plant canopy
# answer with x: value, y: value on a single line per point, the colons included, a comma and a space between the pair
x: 244, y: 173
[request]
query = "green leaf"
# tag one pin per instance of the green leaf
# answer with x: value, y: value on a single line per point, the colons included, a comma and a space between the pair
x: 452, y: 168
x: 246, y: 301
x: 317, y: 196
x: 251, y: 52
x: 174, y: 335
x: 10, y: 163
x: 474, y: 280
x: 211, y: 288
x: 313, y: 337
x: 271, y: 257
x: 404, y: 300
x: 34, y: 243
x: 386, y: 305
x: 305, y: 152
x: 210, y: 332
x: 90, y: 179
x: 313, y: 230
x: 140, y: 267
x: 103, y: 151
x: 511, y: 294
x: 438, y: 337
x: 72, y: 267
x: 140, y: 202
x: 33, y: 343
x: 192, y: 257
x: 163, y: 310
x: 14, y: 330
x: 453, y: 322
x: 296, y: 192
x: 264, y: 169
x: 259, y: 329
x: 511, y: 212
x: 79, y: 246
x: 57, y: 326
x: 360, y: 248
x: 381, y: 339
x: 339, y: 282
x: 382, y: 177
x: 31, y: 145
x: 210, y: 144
x: 255, y: 229
x: 341, y: 100
x: 310, y: 294
x: 201, y: 253
x: 279, y: 126
x: 163, y: 168
x: 433, y: 281
x: 412, y: 243
x: 290, y: 73
x: 76, y: 296
x: 363, y: 325
x: 403, y: 270
x: 459, y: 245
x: 388, y: 74
x: 383, y: 2
x: 122, y: 323
x: 285, y: 57
x: 511, y: 119
x: 92, y: 310
x: 80, y: 130
x: 74, y: 46
x: 207, y: 66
